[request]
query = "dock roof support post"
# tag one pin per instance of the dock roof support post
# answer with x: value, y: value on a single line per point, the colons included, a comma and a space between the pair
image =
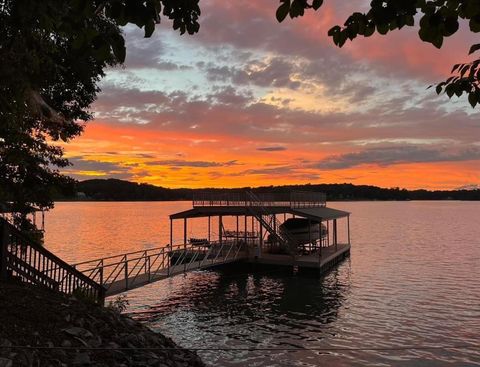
x: 185, y: 244
x: 348, y: 228
x: 245, y: 233
x: 171, y: 233
x: 220, y: 225
x: 185, y: 232
x: 328, y: 233
x: 320, y: 234
x: 335, y: 233
x: 310, y: 233
x: 209, y: 229
x: 236, y: 236
x: 261, y: 237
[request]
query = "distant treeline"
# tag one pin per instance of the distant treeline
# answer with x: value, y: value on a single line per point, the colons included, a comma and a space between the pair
x: 118, y: 190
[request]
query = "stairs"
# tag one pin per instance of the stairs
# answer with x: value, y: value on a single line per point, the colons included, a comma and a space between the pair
x: 269, y: 222
x: 26, y: 260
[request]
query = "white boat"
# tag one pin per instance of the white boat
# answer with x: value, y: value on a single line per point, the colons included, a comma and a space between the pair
x: 303, y: 231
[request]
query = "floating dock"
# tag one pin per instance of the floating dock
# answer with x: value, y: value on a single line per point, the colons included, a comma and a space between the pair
x: 259, y: 218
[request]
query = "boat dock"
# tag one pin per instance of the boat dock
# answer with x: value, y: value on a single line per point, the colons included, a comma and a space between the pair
x: 295, y: 230
x: 258, y: 226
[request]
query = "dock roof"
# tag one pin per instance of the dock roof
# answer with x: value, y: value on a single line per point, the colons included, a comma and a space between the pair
x: 304, y: 204
x: 317, y: 213
x: 322, y: 213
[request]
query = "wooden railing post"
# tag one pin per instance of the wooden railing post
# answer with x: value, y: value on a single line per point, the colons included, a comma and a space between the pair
x: 4, y: 238
x: 101, y: 272
x: 147, y: 266
x: 126, y: 271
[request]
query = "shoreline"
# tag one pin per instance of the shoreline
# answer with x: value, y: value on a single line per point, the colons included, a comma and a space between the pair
x: 41, y: 327
x: 328, y: 201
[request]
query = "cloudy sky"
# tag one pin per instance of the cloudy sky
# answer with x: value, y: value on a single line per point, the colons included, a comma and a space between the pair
x: 248, y: 101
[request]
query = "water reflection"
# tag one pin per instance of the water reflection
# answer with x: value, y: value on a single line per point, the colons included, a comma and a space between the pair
x: 240, y: 306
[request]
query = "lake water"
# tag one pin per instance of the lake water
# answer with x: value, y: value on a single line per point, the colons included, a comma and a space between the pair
x: 412, y: 280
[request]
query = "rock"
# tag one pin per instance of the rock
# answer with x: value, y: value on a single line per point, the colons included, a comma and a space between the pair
x: 5, y: 362
x: 83, y: 342
x: 78, y: 332
x: 113, y: 345
x: 5, y: 343
x: 25, y: 358
x: 81, y: 359
x: 96, y: 342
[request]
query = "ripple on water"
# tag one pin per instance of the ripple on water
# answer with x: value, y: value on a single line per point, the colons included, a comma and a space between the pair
x: 412, y: 279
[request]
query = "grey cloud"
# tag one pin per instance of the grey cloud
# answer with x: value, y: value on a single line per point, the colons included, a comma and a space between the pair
x: 230, y: 96
x: 107, y: 169
x: 385, y: 156
x: 198, y: 164
x: 230, y: 112
x: 276, y: 73
x: 469, y: 187
x: 272, y: 149
x: 170, y: 66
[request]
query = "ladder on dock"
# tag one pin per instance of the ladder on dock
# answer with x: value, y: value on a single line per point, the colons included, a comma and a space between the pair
x: 124, y: 272
x: 269, y: 222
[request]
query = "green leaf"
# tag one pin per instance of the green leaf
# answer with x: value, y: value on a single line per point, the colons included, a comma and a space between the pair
x: 149, y: 28
x: 472, y: 99
x: 297, y: 8
x: 439, y: 87
x: 118, y: 48
x: 438, y: 41
x: 382, y: 28
x: 316, y: 4
x: 474, y: 24
x: 455, y: 67
x: 283, y: 10
x: 474, y: 48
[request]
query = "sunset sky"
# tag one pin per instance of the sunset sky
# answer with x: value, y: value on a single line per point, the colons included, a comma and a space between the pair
x: 249, y: 102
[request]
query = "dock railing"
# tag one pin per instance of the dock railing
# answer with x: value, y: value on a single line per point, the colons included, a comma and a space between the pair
x: 119, y: 273
x: 293, y: 199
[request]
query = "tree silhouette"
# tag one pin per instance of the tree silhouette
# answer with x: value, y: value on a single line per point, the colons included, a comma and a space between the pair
x: 52, y: 55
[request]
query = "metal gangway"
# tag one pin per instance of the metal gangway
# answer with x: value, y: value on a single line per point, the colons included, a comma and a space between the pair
x: 120, y: 273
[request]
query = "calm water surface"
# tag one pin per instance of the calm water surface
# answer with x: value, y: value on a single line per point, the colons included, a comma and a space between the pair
x: 412, y: 279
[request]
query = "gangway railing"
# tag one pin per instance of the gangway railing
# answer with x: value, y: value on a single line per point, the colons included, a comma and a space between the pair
x: 120, y: 273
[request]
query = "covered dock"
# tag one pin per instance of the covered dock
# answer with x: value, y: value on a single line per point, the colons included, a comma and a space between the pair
x: 260, y: 226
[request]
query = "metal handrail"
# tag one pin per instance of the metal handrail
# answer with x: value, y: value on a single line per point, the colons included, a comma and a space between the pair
x: 127, y: 270
x: 293, y: 199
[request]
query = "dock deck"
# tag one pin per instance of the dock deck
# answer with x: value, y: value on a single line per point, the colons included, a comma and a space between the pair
x: 330, y: 257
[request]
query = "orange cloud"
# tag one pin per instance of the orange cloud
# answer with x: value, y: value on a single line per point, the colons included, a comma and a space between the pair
x: 186, y: 160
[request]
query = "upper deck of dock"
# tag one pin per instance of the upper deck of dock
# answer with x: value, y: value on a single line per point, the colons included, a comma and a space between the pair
x: 293, y: 199
x: 301, y: 203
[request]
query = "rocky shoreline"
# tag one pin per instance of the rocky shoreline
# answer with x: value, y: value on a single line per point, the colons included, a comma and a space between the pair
x: 42, y: 328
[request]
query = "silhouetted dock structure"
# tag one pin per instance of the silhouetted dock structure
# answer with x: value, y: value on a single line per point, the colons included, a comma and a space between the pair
x: 294, y: 229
